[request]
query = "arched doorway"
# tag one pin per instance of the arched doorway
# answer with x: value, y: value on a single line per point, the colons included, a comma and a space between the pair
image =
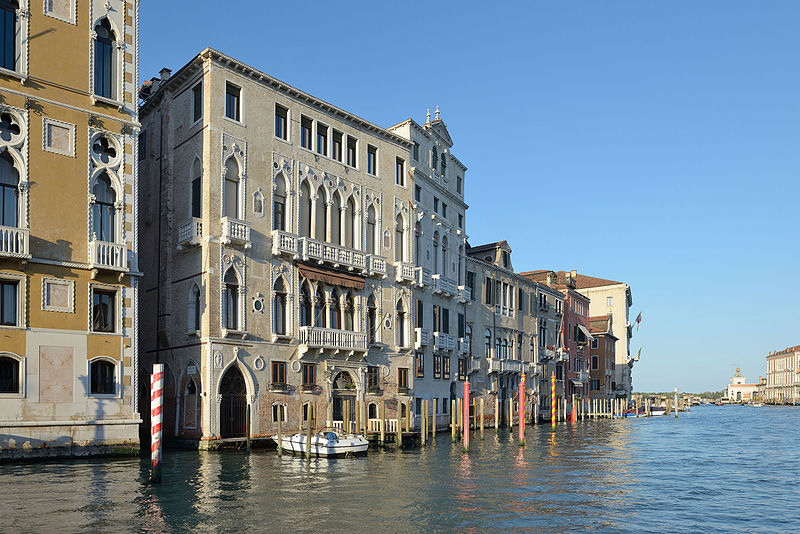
x: 344, y: 388
x: 233, y: 410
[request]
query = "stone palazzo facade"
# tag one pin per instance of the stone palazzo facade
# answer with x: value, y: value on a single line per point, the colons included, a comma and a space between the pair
x: 281, y: 260
x: 69, y: 273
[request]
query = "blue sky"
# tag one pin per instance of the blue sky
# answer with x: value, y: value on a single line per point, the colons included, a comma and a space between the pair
x: 650, y: 142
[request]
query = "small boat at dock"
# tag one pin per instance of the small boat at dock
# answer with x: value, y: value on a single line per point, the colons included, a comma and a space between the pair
x: 328, y: 443
x: 654, y: 411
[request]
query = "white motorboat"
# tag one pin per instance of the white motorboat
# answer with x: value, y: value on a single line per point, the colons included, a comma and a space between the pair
x: 327, y: 443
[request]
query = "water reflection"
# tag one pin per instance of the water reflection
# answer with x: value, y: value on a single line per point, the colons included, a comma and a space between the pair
x: 622, y: 476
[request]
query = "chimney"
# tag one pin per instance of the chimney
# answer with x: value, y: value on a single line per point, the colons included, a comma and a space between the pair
x: 165, y: 72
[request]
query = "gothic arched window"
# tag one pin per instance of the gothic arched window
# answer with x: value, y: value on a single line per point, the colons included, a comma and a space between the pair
x: 9, y: 191
x: 104, y: 59
x: 104, y: 211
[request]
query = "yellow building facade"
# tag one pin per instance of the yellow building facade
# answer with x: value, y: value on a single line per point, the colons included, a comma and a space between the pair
x: 68, y: 235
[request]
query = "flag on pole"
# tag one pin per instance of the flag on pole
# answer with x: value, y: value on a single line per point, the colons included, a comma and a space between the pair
x: 638, y: 353
x: 638, y: 320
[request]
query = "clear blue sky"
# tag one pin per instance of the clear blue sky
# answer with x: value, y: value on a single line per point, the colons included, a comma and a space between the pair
x: 650, y: 142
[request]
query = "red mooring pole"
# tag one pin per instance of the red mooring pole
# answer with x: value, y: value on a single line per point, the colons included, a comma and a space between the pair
x: 156, y: 386
x: 521, y: 404
x: 465, y: 425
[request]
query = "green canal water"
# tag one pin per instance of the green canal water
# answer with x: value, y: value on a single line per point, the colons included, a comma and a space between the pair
x: 718, y: 469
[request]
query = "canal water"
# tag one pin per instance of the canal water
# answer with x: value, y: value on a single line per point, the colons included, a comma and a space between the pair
x: 717, y: 469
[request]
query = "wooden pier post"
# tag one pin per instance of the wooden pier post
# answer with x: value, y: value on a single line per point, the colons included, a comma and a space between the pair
x: 249, y: 409
x: 496, y: 411
x: 453, y: 421
x: 676, y: 403
x: 465, y: 424
x: 481, y: 418
x: 460, y: 416
x: 309, y: 429
x: 408, y: 416
x: 423, y: 423
x: 383, y: 422
x: 280, y: 436
x: 399, y: 424
x: 346, y: 417
x: 511, y: 412
x: 432, y: 422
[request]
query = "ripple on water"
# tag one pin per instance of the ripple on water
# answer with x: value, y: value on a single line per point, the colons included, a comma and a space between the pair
x: 716, y: 469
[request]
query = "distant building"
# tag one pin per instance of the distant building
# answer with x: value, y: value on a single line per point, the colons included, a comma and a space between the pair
x: 738, y: 390
x: 783, y: 376
x: 602, y: 357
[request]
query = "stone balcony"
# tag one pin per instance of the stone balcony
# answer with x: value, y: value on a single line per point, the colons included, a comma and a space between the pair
x: 403, y: 272
x: 314, y: 337
x: 504, y: 366
x: 422, y: 277
x: 14, y: 242
x: 236, y: 231
x: 108, y: 256
x: 190, y: 233
x: 308, y: 249
x: 444, y: 341
x: 464, y: 345
x: 474, y: 365
x: 444, y: 285
x: 583, y: 376
x: 422, y: 337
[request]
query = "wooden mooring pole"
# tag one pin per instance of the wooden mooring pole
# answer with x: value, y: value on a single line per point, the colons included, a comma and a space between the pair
x: 383, y: 422
x: 481, y: 418
x: 453, y: 421
x: 281, y: 408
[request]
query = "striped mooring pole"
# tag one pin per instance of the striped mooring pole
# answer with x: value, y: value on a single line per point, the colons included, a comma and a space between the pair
x: 521, y: 410
x: 465, y: 417
x: 156, y: 389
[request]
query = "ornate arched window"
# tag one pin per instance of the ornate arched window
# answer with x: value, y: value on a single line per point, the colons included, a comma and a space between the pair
x: 401, y: 324
x: 400, y: 239
x: 305, y: 305
x: 417, y: 236
x: 336, y: 219
x: 197, y: 188
x: 279, y: 204
x: 444, y: 164
x: 436, y: 252
x: 9, y: 191
x: 320, y: 217
x: 434, y: 158
x: 349, y: 311
x: 230, y: 206
x: 8, y: 34
x: 230, y: 301
x: 305, y: 210
x: 334, y: 310
x: 104, y: 210
x: 195, y: 308
x: 372, y: 239
x: 104, y: 60
x: 444, y: 270
x: 319, y: 309
x: 350, y: 224
x: 279, y: 307
x: 488, y: 342
x: 372, y: 319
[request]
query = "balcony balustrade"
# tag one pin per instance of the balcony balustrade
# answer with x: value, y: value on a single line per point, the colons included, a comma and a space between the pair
x: 236, y: 231
x: 14, y: 242
x: 464, y: 345
x: 444, y: 341
x: 285, y: 243
x: 376, y: 266
x: 315, y: 337
x: 422, y: 337
x: 422, y: 277
x: 404, y: 272
x: 190, y: 233
x: 442, y: 284
x: 474, y: 365
x: 504, y: 366
x: 105, y: 255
